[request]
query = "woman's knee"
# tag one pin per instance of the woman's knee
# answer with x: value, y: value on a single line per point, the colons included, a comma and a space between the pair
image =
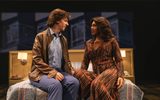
x: 94, y: 83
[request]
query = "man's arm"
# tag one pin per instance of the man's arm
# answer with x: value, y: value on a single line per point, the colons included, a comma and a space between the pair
x: 38, y: 57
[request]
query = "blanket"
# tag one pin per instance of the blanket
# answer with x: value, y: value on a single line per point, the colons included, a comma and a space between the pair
x: 25, y: 91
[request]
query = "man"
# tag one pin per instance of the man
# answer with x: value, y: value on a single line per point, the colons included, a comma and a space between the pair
x: 51, y: 68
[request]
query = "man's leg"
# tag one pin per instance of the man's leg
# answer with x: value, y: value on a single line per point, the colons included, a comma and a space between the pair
x: 51, y: 86
x: 70, y: 87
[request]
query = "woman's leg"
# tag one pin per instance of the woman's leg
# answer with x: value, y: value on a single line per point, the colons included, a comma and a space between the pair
x: 85, y: 78
x: 103, y: 87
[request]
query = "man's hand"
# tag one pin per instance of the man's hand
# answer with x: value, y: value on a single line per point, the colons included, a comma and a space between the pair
x: 120, y: 82
x: 59, y: 76
x: 72, y: 72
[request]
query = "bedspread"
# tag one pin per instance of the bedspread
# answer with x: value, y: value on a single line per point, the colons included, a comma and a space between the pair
x: 25, y: 91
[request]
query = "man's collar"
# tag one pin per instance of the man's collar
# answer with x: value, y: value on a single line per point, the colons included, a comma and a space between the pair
x: 55, y: 34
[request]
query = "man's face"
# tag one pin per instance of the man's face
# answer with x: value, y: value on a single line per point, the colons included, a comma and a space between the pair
x: 63, y: 23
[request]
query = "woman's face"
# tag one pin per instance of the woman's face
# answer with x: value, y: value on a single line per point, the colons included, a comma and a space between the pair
x: 93, y: 28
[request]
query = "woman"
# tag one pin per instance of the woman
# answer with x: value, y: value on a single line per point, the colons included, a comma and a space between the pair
x: 104, y: 53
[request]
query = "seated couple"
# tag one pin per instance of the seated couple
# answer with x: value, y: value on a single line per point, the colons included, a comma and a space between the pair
x: 52, y: 71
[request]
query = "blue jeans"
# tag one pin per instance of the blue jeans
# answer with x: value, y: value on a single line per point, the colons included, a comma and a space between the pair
x: 67, y: 89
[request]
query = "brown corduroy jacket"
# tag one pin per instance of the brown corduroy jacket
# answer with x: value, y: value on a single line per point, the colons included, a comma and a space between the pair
x: 40, y: 56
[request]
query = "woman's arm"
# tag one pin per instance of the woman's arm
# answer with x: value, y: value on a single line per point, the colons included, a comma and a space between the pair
x: 119, y: 64
x: 86, y: 59
x: 118, y: 58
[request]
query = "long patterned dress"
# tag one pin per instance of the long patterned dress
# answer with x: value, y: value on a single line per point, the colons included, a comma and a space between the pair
x: 107, y: 67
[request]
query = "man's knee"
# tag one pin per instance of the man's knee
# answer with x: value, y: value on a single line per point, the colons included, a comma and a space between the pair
x: 75, y: 82
x: 55, y: 85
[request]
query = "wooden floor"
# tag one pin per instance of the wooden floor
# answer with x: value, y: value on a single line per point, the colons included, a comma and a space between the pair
x: 151, y: 91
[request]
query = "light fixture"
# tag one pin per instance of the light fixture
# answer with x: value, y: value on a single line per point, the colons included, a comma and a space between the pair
x: 123, y: 53
x: 22, y: 56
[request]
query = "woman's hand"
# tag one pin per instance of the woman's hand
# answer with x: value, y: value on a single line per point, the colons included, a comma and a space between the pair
x: 120, y: 82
